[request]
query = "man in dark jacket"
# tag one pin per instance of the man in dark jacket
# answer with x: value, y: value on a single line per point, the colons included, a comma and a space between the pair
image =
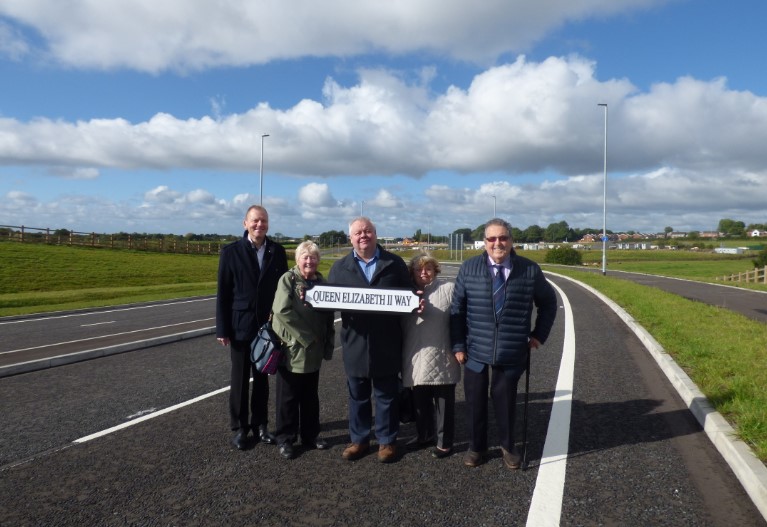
x: 490, y: 327
x: 248, y: 271
x: 372, y: 343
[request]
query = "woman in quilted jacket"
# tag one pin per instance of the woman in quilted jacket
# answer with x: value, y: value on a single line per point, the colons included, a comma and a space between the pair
x: 308, y: 337
x: 428, y: 364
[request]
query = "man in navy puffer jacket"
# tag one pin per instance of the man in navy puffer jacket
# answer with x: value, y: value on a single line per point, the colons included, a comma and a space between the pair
x: 491, y: 331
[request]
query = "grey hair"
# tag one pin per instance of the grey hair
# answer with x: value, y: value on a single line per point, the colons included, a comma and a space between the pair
x: 361, y: 218
x: 499, y: 222
x: 258, y: 208
x: 307, y: 247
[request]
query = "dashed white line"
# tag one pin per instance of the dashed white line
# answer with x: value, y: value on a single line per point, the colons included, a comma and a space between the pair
x: 92, y: 313
x: 105, y: 336
x: 97, y: 324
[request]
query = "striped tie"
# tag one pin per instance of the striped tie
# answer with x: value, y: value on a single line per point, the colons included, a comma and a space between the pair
x: 499, y: 291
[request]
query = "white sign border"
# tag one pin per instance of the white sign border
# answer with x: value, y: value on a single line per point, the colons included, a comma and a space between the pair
x: 367, y: 299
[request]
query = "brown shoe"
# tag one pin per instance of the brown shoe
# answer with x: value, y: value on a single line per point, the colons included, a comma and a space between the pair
x: 511, y: 459
x: 387, y: 453
x: 472, y: 459
x: 355, y: 451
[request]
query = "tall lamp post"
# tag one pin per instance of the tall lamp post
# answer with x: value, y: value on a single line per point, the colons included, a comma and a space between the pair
x: 261, y: 172
x: 362, y: 208
x: 604, y: 200
x: 494, y: 214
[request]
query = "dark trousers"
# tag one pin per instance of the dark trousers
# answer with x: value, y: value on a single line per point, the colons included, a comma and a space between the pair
x: 298, y: 406
x: 386, y: 391
x: 435, y: 410
x: 242, y: 369
x: 502, y: 383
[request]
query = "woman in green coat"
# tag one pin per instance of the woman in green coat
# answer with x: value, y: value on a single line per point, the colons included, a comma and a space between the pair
x: 308, y: 337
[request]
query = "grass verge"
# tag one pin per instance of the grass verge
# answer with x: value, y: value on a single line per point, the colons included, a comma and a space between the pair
x: 724, y: 353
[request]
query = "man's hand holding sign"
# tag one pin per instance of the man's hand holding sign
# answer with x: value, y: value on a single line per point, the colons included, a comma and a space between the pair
x: 345, y: 298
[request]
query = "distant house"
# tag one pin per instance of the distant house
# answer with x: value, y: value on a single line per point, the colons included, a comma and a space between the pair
x: 756, y: 233
x: 634, y: 246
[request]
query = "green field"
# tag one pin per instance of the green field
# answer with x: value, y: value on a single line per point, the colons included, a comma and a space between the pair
x: 36, y: 278
x: 724, y: 353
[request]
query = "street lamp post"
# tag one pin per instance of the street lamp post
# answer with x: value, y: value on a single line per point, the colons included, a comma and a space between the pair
x: 261, y: 172
x: 604, y: 200
x: 362, y: 208
x: 494, y: 214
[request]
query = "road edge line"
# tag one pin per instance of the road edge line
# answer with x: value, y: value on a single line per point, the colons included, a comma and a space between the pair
x: 748, y: 468
x: 71, y: 358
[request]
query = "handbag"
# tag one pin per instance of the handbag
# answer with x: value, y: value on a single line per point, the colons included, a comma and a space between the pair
x: 266, y: 350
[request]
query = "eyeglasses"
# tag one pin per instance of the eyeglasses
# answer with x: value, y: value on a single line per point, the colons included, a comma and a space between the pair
x: 493, y: 239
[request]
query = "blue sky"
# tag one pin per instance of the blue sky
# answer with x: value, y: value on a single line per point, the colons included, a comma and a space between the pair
x: 142, y: 116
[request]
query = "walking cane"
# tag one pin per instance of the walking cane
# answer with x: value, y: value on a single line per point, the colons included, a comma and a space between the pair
x: 527, y: 397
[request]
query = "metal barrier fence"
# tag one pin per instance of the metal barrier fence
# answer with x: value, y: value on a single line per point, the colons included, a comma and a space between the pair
x: 170, y: 244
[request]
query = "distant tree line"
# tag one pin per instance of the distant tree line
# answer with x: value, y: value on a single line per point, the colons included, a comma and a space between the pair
x: 555, y: 232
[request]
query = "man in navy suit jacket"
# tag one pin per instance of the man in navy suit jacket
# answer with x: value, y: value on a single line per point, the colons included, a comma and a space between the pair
x: 248, y: 271
x: 372, y: 343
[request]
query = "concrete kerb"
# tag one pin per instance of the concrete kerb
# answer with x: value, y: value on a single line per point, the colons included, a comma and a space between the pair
x: 748, y: 468
x: 71, y: 358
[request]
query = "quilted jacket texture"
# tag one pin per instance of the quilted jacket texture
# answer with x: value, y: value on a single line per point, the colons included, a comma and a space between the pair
x: 473, y: 323
x: 308, y: 334
x: 427, y: 357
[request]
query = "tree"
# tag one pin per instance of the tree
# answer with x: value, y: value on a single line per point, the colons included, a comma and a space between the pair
x: 564, y: 256
x: 467, y: 234
x: 479, y: 232
x: 558, y: 232
x: 331, y: 238
x: 667, y: 231
x: 732, y: 227
x: 534, y: 233
x: 761, y: 259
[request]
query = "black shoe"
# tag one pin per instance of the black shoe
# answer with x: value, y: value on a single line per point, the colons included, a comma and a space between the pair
x: 438, y: 453
x: 512, y: 459
x: 286, y: 451
x: 318, y: 443
x: 473, y: 459
x: 265, y: 437
x: 240, y: 441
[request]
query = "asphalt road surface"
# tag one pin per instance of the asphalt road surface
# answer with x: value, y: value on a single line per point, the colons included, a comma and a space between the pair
x: 141, y: 438
x: 747, y: 302
x: 36, y: 342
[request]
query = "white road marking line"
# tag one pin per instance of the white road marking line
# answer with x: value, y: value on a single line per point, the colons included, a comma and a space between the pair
x: 149, y: 416
x: 97, y: 324
x: 155, y: 414
x: 546, y: 504
x: 104, y: 336
x: 141, y: 413
x: 92, y: 313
